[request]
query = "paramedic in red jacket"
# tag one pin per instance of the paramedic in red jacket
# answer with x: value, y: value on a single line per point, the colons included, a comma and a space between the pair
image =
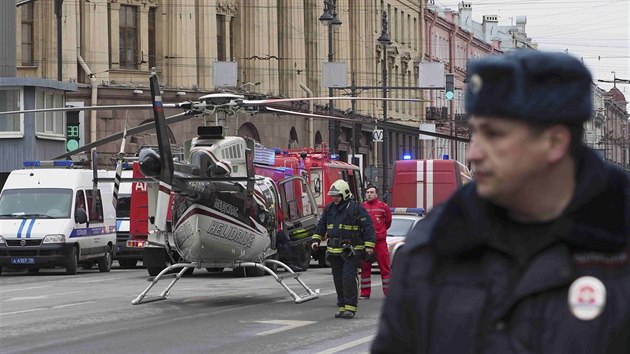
x: 382, y: 219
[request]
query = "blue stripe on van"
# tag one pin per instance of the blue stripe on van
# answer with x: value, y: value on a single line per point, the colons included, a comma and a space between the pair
x: 30, y: 228
x: 19, y: 233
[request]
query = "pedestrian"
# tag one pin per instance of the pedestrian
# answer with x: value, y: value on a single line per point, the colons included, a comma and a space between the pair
x: 381, y: 217
x: 348, y: 228
x: 534, y: 255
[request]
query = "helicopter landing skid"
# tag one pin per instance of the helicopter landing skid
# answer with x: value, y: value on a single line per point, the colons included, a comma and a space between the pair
x: 309, y: 295
x: 166, y: 273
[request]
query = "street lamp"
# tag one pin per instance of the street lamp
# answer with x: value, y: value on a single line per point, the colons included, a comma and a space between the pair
x: 384, y: 41
x: 329, y: 18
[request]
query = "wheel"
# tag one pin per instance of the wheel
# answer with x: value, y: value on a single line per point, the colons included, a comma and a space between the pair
x: 72, y: 262
x: 214, y: 269
x: 0, y: 270
x: 87, y: 266
x: 302, y: 256
x: 128, y: 263
x: 105, y: 262
x: 188, y: 272
x: 33, y: 270
x: 153, y: 271
x: 248, y: 272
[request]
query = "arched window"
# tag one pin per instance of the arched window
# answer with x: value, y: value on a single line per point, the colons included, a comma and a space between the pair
x: 318, y: 139
x: 293, y: 139
x: 248, y: 130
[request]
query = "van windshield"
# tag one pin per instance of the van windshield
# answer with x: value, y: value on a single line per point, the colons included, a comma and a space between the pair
x: 38, y: 203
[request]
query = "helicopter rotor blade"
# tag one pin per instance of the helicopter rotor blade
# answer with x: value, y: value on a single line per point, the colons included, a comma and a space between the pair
x: 310, y: 115
x: 119, y: 163
x: 337, y: 98
x: 90, y: 108
x: 139, y: 129
x: 166, y: 157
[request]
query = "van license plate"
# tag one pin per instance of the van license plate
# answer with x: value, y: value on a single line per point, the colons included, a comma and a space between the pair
x: 22, y: 260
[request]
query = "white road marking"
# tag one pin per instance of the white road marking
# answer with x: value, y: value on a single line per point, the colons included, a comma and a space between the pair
x: 20, y: 289
x: 23, y: 311
x: 288, y: 324
x: 70, y: 305
x: 347, y: 345
x: 39, y: 297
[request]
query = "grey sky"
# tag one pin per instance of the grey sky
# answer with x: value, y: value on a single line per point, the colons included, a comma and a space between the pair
x: 596, y: 30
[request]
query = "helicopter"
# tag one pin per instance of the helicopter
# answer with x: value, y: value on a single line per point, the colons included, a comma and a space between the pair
x: 223, y: 214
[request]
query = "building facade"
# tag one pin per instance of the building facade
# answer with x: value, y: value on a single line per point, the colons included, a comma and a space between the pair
x: 108, y: 48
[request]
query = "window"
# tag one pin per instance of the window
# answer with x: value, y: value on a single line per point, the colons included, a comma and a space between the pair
x: 49, y: 124
x: 128, y: 37
x: 221, y: 38
x: 10, y: 124
x: 95, y: 215
x: 27, y: 34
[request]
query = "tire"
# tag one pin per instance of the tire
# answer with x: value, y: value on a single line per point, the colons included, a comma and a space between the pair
x: 0, y: 270
x: 153, y: 271
x: 72, y: 262
x: 128, y: 263
x: 87, y: 266
x: 302, y: 258
x: 214, y: 269
x: 189, y: 272
x: 33, y: 270
x: 245, y: 272
x: 105, y: 262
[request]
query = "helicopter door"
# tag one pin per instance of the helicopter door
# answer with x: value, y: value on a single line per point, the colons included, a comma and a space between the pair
x: 298, y: 207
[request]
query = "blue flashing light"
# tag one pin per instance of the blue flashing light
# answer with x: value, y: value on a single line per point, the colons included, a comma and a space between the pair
x: 406, y: 157
x: 285, y: 152
x: 334, y: 157
x: 412, y: 211
x: 63, y: 163
x: 445, y: 157
x: 277, y: 151
x: 55, y: 163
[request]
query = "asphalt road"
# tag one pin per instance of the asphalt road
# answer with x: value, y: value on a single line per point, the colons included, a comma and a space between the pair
x: 206, y: 313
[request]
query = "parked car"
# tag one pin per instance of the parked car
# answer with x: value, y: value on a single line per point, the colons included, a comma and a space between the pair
x: 403, y: 221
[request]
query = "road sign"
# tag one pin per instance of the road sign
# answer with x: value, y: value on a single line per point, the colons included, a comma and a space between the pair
x: 377, y: 135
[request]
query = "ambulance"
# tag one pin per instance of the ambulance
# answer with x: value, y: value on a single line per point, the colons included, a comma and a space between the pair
x: 52, y: 214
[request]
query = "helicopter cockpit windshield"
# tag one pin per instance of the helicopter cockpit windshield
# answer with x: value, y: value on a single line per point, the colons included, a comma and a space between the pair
x: 209, y: 166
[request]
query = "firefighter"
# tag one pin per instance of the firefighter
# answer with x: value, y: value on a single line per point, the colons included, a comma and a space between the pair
x: 382, y: 220
x: 348, y: 228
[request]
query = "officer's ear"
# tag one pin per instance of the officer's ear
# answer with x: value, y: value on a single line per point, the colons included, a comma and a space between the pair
x: 558, y: 142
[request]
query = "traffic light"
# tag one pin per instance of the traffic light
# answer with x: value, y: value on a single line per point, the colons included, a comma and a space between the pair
x: 72, y: 131
x: 449, y: 87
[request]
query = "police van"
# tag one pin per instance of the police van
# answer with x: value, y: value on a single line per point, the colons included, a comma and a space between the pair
x: 54, y: 215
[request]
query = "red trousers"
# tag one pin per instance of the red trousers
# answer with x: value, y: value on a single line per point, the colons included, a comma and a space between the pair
x: 382, y: 258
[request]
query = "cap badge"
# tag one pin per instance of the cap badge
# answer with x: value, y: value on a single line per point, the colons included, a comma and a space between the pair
x: 475, y: 84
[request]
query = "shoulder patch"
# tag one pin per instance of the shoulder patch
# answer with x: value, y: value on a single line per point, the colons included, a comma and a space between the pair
x: 599, y: 259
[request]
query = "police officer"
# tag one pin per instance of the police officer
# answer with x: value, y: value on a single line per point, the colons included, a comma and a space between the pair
x: 350, y: 234
x: 534, y: 256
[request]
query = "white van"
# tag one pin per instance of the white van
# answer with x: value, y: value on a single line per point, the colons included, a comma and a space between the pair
x: 54, y: 217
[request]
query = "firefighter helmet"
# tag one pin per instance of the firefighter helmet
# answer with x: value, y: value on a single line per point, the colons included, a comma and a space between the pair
x: 340, y: 187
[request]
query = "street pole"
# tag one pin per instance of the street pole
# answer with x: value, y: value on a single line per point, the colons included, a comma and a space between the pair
x: 331, y: 123
x: 329, y: 18
x: 58, y: 13
x: 384, y: 41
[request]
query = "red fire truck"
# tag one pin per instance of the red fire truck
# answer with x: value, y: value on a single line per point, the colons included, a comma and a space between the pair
x: 425, y: 183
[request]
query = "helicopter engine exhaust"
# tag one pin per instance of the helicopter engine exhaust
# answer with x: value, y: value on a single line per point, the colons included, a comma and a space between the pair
x: 150, y: 164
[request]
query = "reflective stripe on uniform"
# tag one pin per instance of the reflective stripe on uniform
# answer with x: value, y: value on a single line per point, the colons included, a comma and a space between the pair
x: 317, y: 237
x: 351, y: 308
x: 369, y: 244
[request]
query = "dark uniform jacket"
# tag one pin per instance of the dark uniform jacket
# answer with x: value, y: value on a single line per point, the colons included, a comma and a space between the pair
x: 459, y: 285
x: 346, y: 221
